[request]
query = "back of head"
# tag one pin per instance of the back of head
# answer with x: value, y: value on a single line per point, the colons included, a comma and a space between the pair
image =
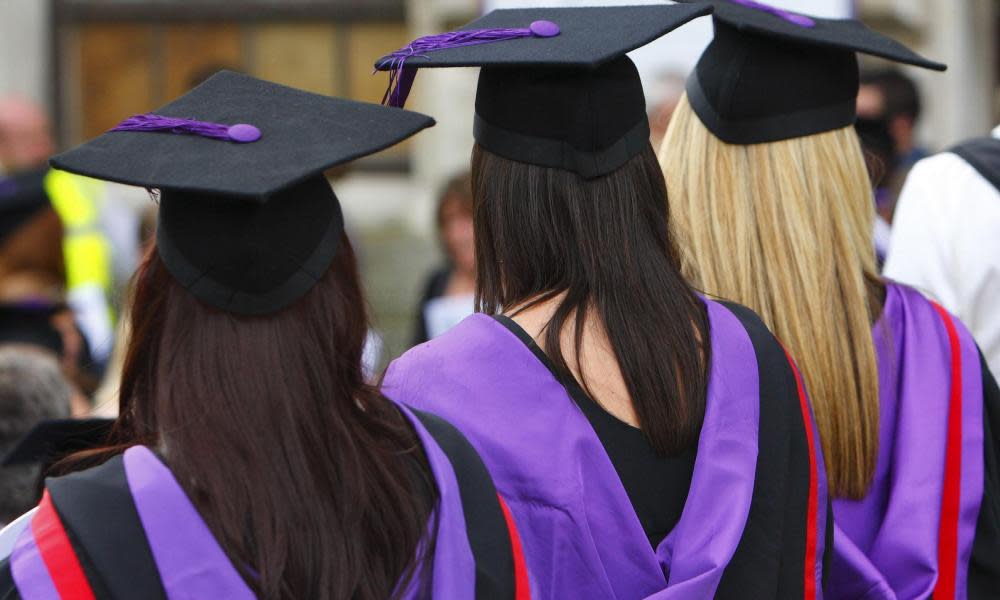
x: 604, y: 243
x: 784, y: 227
x: 25, y: 136
x: 303, y: 472
x: 32, y: 389
x: 899, y: 93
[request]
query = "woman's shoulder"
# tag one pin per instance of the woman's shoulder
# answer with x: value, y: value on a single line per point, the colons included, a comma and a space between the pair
x: 474, y: 338
x: 731, y: 321
x: 740, y: 339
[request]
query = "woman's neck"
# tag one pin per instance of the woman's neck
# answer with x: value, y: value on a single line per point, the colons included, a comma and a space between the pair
x: 595, y: 368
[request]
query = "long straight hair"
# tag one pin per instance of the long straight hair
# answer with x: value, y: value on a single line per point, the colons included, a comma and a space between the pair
x: 605, y: 244
x: 785, y: 228
x: 311, y: 480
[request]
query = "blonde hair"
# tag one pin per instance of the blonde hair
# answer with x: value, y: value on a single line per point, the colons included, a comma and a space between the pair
x: 785, y: 228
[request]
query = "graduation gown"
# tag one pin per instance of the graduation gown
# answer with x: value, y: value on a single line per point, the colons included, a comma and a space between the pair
x: 754, y: 522
x: 930, y: 523
x: 126, y: 529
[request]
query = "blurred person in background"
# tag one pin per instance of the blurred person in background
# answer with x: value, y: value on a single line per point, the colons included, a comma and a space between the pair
x: 32, y: 389
x: 99, y: 224
x: 250, y: 458
x: 771, y: 199
x: 888, y: 108
x: 51, y: 329
x: 449, y: 293
x: 32, y: 279
x: 25, y: 136
x: 946, y: 236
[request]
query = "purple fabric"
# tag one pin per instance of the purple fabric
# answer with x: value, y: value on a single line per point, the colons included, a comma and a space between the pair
x: 581, y: 537
x: 191, y: 563
x: 887, y: 543
x: 454, y: 571
x: 240, y: 132
x: 793, y: 18
x: 8, y: 186
x: 28, y: 569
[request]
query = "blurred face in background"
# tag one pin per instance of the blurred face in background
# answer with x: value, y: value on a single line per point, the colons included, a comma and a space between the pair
x: 25, y: 135
x: 455, y: 225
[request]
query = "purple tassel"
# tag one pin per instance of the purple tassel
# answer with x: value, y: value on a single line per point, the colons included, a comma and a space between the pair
x: 793, y: 18
x: 401, y: 77
x: 241, y: 133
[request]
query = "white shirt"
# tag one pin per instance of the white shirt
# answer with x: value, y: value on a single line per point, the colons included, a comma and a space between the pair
x: 946, y: 242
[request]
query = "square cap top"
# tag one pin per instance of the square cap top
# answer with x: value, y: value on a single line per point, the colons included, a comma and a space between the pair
x: 293, y: 135
x: 748, y: 16
x: 583, y: 36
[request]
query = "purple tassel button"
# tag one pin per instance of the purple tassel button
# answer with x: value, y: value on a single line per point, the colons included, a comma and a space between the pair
x: 243, y: 133
x: 544, y: 29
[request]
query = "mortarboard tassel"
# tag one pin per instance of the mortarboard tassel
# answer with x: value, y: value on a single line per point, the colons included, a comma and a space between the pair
x: 241, y: 132
x: 401, y: 78
x: 794, y: 19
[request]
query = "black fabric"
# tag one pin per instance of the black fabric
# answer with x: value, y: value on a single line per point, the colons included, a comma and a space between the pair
x: 31, y: 325
x: 22, y: 196
x: 435, y: 287
x: 657, y: 486
x: 98, y: 512
x: 485, y: 523
x: 571, y: 102
x: 250, y: 258
x: 984, y: 156
x: 589, y: 36
x: 984, y: 566
x: 559, y: 154
x: 755, y: 52
x: 770, y: 559
x: 247, y: 227
x: 8, y: 591
x: 52, y: 440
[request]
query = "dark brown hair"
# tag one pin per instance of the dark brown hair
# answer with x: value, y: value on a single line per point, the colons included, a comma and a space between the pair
x: 606, y: 243
x: 309, y: 478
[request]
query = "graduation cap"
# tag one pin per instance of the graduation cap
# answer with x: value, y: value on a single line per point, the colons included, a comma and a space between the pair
x: 31, y: 324
x: 22, y: 196
x: 556, y: 88
x: 247, y: 223
x: 771, y: 74
x: 51, y: 440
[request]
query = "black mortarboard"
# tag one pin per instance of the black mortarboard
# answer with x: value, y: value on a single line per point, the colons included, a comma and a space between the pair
x: 22, y: 196
x: 52, y: 440
x: 31, y: 325
x: 556, y: 88
x: 247, y: 221
x: 771, y: 74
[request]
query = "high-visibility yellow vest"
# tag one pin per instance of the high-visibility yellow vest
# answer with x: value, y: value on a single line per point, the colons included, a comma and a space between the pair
x: 86, y: 250
x: 87, y: 255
